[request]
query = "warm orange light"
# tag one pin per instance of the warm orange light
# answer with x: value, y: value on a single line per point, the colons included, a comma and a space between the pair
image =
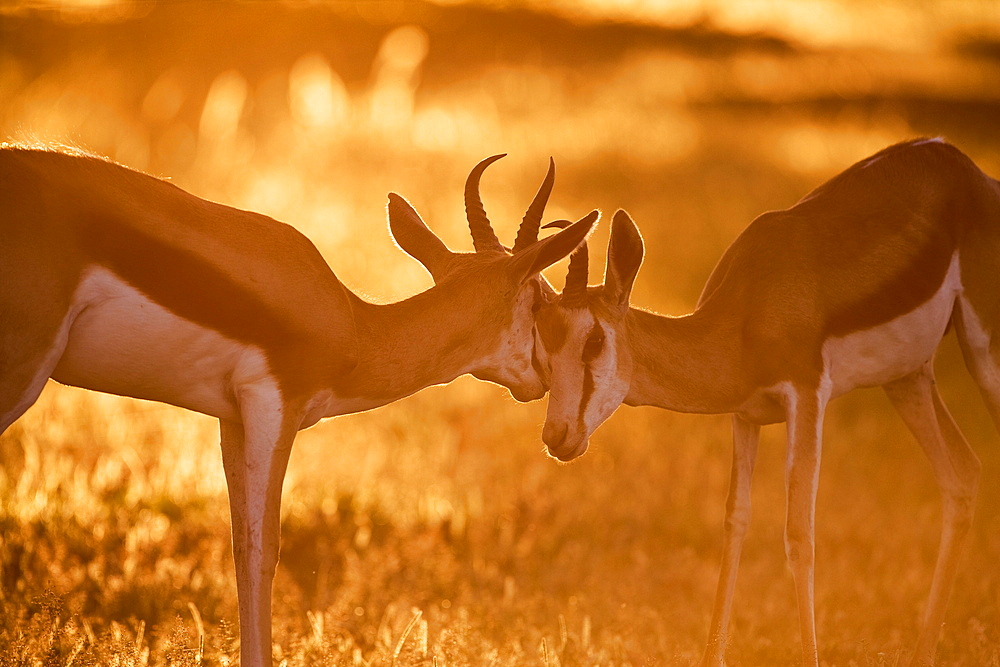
x: 695, y: 116
x: 317, y: 96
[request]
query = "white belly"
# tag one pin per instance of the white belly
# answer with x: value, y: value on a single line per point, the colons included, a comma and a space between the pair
x: 889, y: 351
x: 121, y: 342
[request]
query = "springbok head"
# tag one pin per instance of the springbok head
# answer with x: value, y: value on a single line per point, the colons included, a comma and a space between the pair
x: 584, y: 346
x: 495, y: 291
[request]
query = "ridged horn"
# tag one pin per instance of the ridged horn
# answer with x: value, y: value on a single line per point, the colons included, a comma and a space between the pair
x: 483, y: 237
x: 574, y: 293
x: 527, y: 233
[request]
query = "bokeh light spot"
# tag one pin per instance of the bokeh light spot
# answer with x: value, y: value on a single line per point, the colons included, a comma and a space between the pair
x: 164, y: 99
x: 223, y: 107
x: 318, y: 98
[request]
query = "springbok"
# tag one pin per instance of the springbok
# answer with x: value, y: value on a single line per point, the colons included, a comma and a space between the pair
x: 853, y: 286
x: 116, y: 281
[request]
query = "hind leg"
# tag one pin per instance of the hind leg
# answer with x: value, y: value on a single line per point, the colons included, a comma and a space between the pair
x: 20, y: 387
x: 36, y: 314
x: 956, y: 469
x: 981, y: 348
x: 26, y: 363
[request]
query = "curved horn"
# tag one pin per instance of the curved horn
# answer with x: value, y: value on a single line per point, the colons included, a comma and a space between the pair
x: 527, y: 233
x: 575, y: 291
x: 483, y: 237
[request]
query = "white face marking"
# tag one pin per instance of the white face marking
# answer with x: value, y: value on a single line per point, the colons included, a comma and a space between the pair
x: 609, y: 383
x: 891, y: 350
x: 121, y: 342
x: 588, y: 382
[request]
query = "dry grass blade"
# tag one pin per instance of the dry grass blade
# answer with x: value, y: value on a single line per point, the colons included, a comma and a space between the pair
x: 402, y: 638
x: 443, y: 501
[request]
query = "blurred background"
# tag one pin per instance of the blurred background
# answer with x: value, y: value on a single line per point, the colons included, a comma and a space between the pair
x: 434, y: 531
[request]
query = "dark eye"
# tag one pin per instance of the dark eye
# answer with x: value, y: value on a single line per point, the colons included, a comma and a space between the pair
x: 593, y: 346
x: 538, y: 299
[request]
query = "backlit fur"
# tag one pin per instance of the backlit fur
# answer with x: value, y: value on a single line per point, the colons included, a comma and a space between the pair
x: 583, y: 391
x: 853, y: 286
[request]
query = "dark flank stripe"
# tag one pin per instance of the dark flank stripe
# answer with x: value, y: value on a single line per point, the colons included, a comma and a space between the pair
x: 185, y: 284
x: 248, y: 277
x: 870, y: 245
x: 902, y: 290
x: 889, y: 228
x: 191, y: 287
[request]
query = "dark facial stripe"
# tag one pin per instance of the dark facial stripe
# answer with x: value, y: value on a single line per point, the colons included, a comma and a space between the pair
x: 594, y: 345
x: 588, y: 377
x: 585, y: 393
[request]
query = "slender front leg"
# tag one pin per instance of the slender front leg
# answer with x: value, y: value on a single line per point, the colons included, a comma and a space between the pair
x: 805, y: 426
x: 255, y: 456
x: 956, y: 469
x: 745, y: 439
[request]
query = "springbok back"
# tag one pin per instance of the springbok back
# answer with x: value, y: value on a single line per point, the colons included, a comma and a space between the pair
x: 854, y: 286
x: 119, y: 282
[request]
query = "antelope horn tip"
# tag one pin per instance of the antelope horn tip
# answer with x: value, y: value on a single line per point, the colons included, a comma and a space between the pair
x: 557, y: 224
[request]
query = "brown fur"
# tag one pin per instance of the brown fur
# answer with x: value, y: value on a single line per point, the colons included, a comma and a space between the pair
x: 771, y: 340
x: 252, y: 280
x: 176, y: 262
x: 842, y: 260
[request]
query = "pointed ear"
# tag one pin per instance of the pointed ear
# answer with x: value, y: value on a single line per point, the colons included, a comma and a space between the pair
x: 625, y: 252
x: 530, y: 261
x: 413, y: 236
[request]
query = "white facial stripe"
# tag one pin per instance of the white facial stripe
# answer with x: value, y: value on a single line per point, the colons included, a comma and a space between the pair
x: 587, y: 384
x: 592, y: 350
x: 610, y: 386
x: 566, y: 381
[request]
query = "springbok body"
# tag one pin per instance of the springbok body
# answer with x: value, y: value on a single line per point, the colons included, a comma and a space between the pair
x: 854, y: 286
x: 116, y: 281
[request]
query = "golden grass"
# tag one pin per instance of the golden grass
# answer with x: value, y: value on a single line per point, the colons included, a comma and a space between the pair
x: 433, y: 531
